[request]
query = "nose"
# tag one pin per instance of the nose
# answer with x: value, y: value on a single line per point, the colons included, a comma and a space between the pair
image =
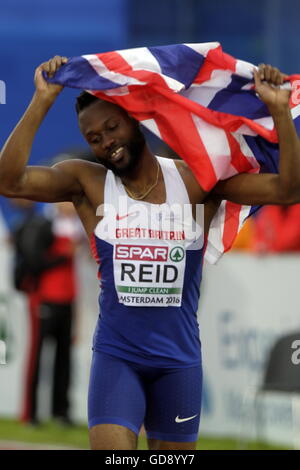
x: 107, y: 142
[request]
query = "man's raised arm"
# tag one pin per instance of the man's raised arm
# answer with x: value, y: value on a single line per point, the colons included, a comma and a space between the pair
x: 282, y: 188
x: 38, y: 183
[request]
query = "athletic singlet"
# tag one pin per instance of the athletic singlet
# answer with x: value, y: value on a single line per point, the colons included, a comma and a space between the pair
x: 150, y: 265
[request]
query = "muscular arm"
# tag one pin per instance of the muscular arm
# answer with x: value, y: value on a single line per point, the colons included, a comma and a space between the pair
x: 58, y: 183
x: 282, y: 188
x: 55, y: 184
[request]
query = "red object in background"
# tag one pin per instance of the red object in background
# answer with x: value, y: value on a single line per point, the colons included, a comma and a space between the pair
x: 277, y: 229
x: 58, y: 284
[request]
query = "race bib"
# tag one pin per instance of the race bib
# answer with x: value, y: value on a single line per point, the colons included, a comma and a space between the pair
x: 149, y: 275
x: 150, y: 243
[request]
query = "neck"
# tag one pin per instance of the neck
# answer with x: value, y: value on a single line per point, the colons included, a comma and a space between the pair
x: 143, y: 174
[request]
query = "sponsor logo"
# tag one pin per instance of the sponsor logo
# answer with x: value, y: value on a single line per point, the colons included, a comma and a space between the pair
x: 177, y: 254
x: 182, y: 420
x: 121, y: 217
x: 142, y: 252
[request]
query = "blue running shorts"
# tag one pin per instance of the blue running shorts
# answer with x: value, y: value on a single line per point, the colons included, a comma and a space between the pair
x: 166, y: 400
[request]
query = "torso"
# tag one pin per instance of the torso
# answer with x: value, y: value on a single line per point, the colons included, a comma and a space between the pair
x: 150, y: 269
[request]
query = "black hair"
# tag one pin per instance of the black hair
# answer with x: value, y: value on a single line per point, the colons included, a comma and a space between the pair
x: 84, y: 100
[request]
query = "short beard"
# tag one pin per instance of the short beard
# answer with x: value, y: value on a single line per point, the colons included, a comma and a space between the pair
x: 134, y: 148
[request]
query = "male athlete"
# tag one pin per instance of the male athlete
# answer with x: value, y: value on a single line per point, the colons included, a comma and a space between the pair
x: 146, y: 366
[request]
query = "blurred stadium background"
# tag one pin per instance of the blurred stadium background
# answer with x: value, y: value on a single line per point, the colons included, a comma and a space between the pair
x: 249, y: 301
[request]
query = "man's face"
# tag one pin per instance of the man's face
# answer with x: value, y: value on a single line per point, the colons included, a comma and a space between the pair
x: 113, y: 136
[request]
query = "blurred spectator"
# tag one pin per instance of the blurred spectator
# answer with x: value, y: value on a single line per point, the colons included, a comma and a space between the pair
x: 44, y: 270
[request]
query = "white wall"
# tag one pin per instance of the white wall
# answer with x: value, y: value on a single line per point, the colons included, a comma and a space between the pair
x: 247, y: 303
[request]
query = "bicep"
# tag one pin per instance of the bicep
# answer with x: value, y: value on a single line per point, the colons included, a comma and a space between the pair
x: 48, y: 184
x: 251, y: 189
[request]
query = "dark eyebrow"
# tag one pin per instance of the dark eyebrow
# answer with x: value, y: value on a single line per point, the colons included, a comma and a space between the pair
x: 89, y: 133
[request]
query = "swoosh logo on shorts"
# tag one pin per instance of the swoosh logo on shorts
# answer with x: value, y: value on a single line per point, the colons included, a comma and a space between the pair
x: 120, y: 217
x: 182, y: 420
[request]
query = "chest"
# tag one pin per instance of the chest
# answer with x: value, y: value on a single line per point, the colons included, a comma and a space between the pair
x: 90, y: 209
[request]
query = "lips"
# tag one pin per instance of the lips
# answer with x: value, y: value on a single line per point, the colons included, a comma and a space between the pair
x: 117, y: 154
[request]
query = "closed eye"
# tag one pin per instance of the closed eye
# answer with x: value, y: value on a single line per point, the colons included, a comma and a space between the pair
x: 112, y: 127
x: 95, y: 141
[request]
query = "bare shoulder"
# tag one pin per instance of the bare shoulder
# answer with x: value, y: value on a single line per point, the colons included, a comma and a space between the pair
x: 195, y: 191
x: 184, y: 169
x: 81, y: 168
x: 90, y: 176
x: 210, y: 200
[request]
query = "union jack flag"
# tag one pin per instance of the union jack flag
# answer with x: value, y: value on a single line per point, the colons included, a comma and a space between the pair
x: 202, y: 103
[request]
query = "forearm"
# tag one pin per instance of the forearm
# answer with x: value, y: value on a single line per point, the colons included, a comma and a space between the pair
x: 16, y: 151
x: 289, y: 152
